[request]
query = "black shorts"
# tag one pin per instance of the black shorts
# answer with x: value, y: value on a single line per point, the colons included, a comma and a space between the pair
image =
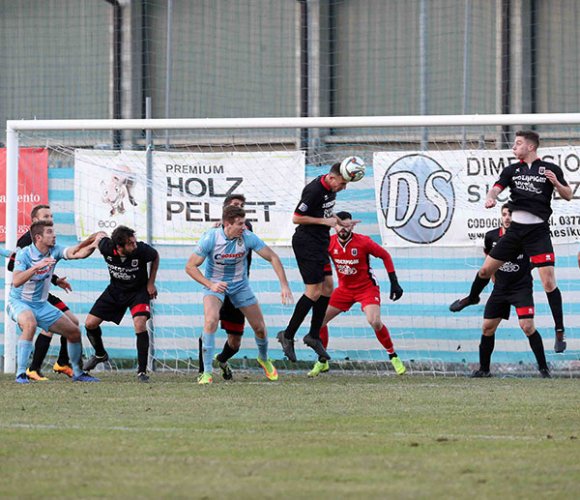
x: 231, y: 318
x: 113, y: 303
x: 532, y: 239
x: 56, y: 302
x: 500, y: 301
x: 312, y: 259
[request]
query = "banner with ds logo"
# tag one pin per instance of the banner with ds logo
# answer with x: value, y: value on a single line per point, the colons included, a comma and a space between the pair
x: 437, y: 197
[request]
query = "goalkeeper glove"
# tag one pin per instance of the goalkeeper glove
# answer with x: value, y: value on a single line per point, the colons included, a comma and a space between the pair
x: 396, y: 290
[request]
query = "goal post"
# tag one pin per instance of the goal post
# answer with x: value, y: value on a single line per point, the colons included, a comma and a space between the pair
x: 358, y: 135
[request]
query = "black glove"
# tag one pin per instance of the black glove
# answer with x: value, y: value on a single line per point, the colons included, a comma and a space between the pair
x: 396, y: 290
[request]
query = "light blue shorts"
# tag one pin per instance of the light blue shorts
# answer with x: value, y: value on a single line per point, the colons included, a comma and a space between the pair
x: 45, y: 313
x: 239, y: 293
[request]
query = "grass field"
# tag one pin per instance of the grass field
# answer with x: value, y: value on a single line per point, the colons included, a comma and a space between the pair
x: 339, y: 436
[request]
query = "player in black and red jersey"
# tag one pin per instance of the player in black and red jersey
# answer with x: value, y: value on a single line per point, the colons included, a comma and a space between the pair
x: 132, y: 286
x: 532, y: 182
x: 314, y: 216
x: 42, y: 344
x: 351, y: 254
x: 513, y: 285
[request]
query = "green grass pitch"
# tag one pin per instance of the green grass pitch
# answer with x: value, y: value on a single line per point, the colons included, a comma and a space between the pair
x: 341, y: 435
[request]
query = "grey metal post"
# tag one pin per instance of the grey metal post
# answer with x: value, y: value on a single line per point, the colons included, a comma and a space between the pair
x: 169, y: 64
x: 149, y: 179
x: 423, y: 70
x: 466, y: 61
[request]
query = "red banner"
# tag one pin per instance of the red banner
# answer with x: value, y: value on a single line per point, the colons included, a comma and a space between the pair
x: 32, y: 186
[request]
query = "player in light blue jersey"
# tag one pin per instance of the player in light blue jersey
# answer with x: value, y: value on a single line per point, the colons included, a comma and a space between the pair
x: 224, y: 250
x: 27, y: 302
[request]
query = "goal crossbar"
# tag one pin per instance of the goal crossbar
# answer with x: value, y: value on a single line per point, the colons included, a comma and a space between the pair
x: 13, y: 127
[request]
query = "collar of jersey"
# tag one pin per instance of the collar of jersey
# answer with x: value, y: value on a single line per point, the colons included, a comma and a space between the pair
x: 323, y: 182
x: 38, y: 252
x: 221, y: 228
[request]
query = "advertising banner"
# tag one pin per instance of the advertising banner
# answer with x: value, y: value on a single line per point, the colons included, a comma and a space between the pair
x: 188, y: 192
x: 437, y: 197
x: 32, y: 186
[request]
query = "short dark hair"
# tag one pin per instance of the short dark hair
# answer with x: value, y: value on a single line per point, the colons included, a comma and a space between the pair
x: 335, y: 169
x: 37, y: 228
x: 121, y: 235
x: 343, y: 215
x: 228, y: 199
x: 506, y: 205
x: 530, y: 135
x: 231, y: 213
x: 36, y: 209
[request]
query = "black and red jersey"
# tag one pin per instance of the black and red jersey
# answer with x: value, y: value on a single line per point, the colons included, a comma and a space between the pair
x: 317, y: 200
x: 512, y: 274
x: 127, y: 273
x: 352, y: 260
x: 530, y: 189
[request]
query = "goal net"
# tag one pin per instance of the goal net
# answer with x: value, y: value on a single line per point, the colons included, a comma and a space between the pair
x: 422, y: 198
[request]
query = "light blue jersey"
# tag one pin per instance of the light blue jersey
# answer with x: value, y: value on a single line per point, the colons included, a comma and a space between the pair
x: 36, y: 288
x: 226, y: 258
x: 4, y: 252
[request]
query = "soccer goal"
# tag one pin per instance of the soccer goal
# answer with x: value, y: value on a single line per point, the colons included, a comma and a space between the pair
x: 422, y: 198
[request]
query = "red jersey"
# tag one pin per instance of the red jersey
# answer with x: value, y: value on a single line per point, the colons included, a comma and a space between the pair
x: 352, y: 261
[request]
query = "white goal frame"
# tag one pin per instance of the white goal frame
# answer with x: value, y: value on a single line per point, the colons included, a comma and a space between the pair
x: 13, y: 127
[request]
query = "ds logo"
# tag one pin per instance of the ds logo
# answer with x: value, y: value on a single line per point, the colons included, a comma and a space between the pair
x: 417, y: 199
x: 111, y: 224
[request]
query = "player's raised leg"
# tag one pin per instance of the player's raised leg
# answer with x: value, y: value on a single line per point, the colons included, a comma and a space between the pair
x: 548, y: 276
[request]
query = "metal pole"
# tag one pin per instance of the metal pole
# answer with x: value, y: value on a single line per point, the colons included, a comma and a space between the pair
x: 466, y: 61
x: 423, y: 70
x: 149, y: 179
x: 169, y: 64
x: 11, y: 220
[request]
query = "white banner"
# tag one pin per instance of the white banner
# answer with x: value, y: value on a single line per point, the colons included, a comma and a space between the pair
x: 437, y: 197
x: 188, y: 192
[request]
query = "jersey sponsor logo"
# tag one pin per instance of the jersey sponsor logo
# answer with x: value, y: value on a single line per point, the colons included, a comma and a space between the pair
x: 509, y: 267
x: 345, y: 269
x: 223, y: 256
x: 417, y: 199
x: 347, y: 262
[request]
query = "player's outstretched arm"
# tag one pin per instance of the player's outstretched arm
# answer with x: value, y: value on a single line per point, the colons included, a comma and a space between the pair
x: 86, y: 247
x: 564, y: 190
x: 192, y: 269
x: 151, y: 288
x: 307, y: 220
x: 21, y: 276
x: 272, y: 257
x: 378, y: 251
x: 4, y: 252
x: 491, y: 198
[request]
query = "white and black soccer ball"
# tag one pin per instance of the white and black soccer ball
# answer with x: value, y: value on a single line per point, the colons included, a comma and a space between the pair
x: 352, y: 169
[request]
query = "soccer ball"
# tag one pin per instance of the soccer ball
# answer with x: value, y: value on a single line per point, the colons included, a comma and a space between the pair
x: 352, y: 169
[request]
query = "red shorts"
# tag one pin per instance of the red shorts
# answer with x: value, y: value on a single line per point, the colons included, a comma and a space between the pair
x: 343, y: 298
